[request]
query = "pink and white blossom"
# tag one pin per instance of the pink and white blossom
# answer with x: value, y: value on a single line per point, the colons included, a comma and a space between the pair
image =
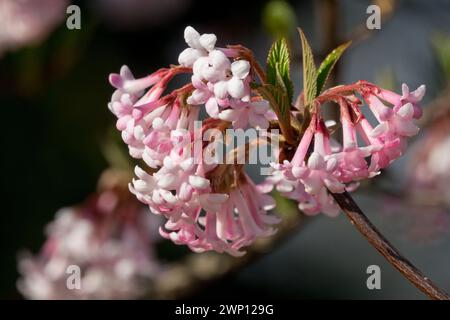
x: 227, y: 224
x: 312, y: 175
x: 209, y: 205
x: 109, y: 238
x: 27, y: 22
x: 199, y: 46
x: 254, y: 114
x: 197, y: 216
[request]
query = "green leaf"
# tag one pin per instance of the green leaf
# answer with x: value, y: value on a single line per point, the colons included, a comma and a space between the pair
x: 277, y: 98
x: 278, y: 67
x: 309, y: 71
x: 328, y: 64
x: 279, y: 101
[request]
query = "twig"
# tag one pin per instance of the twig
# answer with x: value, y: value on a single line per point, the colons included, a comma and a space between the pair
x: 368, y: 230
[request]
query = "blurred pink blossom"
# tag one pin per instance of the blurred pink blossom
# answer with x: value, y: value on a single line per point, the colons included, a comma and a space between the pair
x: 418, y: 222
x: 216, y: 206
x: 429, y: 168
x: 27, y: 22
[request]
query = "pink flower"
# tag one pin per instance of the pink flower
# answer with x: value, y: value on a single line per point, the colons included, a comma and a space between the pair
x: 204, y: 94
x: 214, y: 206
x: 407, y: 97
x: 311, y: 175
x: 318, y: 175
x: 236, y: 84
x: 428, y: 169
x: 126, y: 82
x: 147, y: 120
x: 212, y: 68
x: 389, y: 137
x: 308, y: 183
x: 220, y: 83
x: 197, y: 216
x: 123, y: 101
x: 231, y: 224
x: 199, y: 46
x: 351, y: 161
x: 398, y: 124
x: 290, y: 187
x: 254, y: 114
x: 109, y: 238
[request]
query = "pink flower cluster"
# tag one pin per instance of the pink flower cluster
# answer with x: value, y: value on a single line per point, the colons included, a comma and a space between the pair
x: 321, y: 165
x: 197, y: 216
x: 109, y: 238
x: 223, y: 86
x: 214, y: 206
x: 428, y: 170
x: 208, y: 206
x: 28, y: 22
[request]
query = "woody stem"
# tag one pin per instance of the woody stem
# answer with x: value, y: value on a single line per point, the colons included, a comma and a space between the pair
x: 392, y: 255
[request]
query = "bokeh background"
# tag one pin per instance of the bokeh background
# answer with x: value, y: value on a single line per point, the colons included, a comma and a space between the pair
x: 58, y: 135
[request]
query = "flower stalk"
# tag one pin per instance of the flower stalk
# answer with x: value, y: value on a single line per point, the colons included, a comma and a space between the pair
x: 392, y: 255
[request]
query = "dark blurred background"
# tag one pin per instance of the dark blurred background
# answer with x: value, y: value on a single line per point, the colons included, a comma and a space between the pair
x: 57, y: 129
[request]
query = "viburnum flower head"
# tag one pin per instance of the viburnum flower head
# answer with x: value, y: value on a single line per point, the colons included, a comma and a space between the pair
x: 335, y: 169
x: 216, y: 206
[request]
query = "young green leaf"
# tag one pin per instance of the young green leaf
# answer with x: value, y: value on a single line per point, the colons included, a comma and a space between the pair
x: 278, y: 67
x: 309, y: 71
x: 328, y: 64
x: 279, y: 101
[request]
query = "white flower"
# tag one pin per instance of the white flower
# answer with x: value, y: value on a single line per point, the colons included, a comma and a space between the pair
x: 256, y: 114
x: 213, y: 68
x: 234, y: 85
x: 199, y: 46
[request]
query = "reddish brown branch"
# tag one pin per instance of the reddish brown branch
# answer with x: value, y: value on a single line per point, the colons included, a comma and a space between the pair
x: 370, y: 232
